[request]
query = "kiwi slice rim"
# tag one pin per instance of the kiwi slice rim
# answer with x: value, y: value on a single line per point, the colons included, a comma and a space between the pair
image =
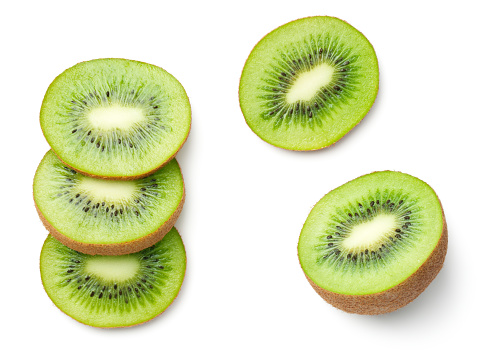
x: 405, y: 258
x: 276, y: 66
x: 71, y: 210
x: 115, y: 118
x: 133, y: 288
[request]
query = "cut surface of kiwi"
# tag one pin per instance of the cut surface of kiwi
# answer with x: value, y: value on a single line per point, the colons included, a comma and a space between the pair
x: 375, y: 243
x: 107, y: 217
x: 115, y: 118
x: 309, y: 82
x: 113, y: 291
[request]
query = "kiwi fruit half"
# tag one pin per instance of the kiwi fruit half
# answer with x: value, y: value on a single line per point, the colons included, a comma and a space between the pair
x: 115, y: 118
x: 375, y: 243
x: 308, y: 82
x: 107, y: 217
x: 114, y: 291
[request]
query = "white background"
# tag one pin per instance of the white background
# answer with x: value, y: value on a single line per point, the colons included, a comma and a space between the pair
x: 244, y: 291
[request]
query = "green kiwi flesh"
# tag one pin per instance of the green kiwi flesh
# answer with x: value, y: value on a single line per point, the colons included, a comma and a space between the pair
x: 113, y: 291
x: 309, y: 82
x: 366, y: 242
x: 107, y: 217
x: 115, y: 118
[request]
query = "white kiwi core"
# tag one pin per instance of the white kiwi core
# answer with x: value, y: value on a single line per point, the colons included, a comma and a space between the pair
x: 113, y: 268
x: 370, y: 234
x: 115, y: 117
x: 309, y: 83
x: 108, y: 190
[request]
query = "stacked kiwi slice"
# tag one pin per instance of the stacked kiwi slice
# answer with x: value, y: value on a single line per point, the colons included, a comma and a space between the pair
x: 110, y: 191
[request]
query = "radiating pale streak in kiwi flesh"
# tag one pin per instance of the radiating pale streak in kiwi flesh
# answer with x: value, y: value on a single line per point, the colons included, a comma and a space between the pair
x: 113, y: 268
x: 115, y: 116
x: 370, y: 234
x: 308, y: 83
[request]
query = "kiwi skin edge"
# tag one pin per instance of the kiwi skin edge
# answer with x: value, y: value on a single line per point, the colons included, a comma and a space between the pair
x: 397, y: 296
x: 123, y: 248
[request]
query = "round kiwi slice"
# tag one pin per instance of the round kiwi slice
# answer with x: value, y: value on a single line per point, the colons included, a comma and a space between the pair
x: 114, y: 291
x: 375, y: 243
x: 107, y: 217
x: 308, y: 82
x: 115, y: 118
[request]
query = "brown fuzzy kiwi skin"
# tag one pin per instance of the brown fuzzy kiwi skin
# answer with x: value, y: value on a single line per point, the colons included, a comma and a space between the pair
x: 397, y: 296
x: 123, y: 248
x: 127, y: 326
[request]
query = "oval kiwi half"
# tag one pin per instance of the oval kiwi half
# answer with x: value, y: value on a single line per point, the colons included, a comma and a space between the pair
x: 114, y: 291
x: 309, y: 82
x: 115, y: 118
x: 375, y: 243
x: 107, y: 217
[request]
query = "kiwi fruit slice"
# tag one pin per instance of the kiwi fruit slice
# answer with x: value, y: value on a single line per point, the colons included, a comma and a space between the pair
x: 309, y: 82
x: 115, y: 118
x: 374, y: 244
x: 107, y: 217
x: 113, y: 291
